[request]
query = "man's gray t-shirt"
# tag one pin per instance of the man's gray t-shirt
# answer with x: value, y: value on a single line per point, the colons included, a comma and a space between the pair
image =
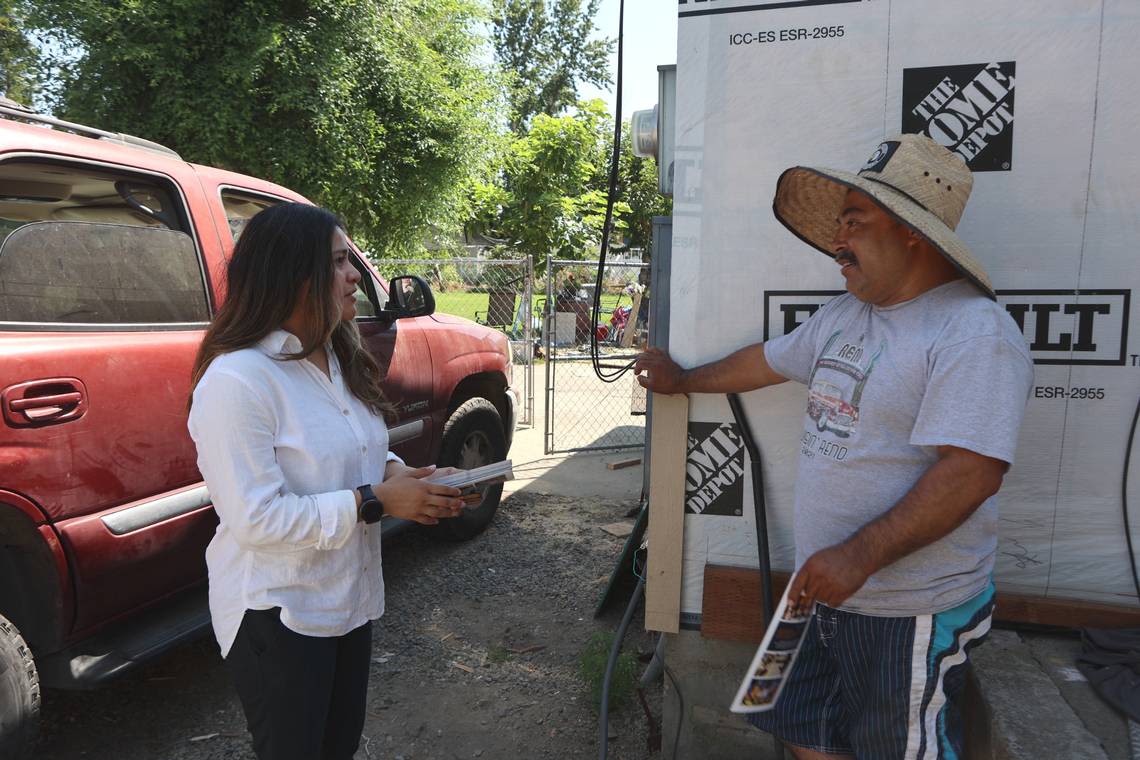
x: 886, y: 387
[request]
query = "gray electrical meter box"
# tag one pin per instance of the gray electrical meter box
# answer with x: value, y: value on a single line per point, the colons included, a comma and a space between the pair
x: 653, y: 131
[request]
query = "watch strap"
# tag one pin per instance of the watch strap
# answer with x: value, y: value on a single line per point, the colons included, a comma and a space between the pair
x: 367, y: 498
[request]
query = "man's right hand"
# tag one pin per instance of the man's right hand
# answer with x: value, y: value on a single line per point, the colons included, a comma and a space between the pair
x: 743, y: 370
x: 662, y: 374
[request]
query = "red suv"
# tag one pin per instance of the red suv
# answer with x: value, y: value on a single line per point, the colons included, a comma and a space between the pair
x: 112, y: 259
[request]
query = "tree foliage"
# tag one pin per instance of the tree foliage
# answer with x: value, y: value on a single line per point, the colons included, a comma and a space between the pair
x: 19, y: 60
x: 545, y: 49
x: 377, y: 109
x: 552, y: 194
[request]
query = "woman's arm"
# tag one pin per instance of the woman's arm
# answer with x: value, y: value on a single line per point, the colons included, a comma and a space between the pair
x: 233, y: 429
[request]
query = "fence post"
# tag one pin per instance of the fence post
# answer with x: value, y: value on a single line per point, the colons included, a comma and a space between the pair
x: 528, y: 336
x: 548, y: 349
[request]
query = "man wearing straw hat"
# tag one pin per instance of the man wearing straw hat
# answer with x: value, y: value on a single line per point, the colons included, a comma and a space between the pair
x: 917, y: 382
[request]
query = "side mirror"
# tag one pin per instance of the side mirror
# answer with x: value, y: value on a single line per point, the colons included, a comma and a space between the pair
x: 409, y: 296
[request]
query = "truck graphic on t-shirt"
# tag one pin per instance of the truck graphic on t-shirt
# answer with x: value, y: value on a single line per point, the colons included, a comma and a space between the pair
x: 835, y: 386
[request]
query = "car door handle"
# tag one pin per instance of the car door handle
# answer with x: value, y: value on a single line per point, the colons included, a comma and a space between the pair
x: 44, y: 402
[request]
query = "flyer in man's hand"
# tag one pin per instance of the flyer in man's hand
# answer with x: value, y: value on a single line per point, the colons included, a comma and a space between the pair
x: 476, y: 478
x: 774, y: 659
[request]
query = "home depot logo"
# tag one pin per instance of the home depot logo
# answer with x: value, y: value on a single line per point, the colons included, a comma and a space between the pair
x: 1071, y: 327
x: 967, y: 108
x: 714, y: 469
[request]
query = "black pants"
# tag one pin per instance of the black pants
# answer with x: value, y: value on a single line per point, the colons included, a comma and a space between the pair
x: 303, y: 696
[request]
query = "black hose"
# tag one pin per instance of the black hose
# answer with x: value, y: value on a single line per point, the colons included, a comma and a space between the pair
x: 615, y: 650
x: 1124, y: 500
x: 607, y: 226
x: 758, y: 502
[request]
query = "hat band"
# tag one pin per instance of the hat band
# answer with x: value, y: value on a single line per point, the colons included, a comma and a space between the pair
x: 903, y: 193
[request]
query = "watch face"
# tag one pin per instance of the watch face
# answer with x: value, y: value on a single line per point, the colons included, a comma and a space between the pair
x: 371, y: 510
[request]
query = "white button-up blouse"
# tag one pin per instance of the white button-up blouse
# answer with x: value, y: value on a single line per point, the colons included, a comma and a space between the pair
x: 281, y: 448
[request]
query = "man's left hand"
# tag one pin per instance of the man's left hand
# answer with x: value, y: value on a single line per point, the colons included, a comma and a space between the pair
x: 829, y: 576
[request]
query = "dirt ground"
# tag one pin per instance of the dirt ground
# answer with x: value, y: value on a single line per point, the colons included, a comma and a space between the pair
x: 477, y: 656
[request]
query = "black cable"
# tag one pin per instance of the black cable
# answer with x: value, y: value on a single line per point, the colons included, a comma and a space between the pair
x: 611, y: 197
x: 762, y: 549
x: 759, y: 504
x: 1124, y: 499
x: 615, y: 650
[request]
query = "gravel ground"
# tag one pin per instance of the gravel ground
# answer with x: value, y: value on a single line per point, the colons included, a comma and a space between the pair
x: 476, y: 657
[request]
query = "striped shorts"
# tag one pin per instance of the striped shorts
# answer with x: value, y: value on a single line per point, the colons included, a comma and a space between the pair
x: 881, y: 687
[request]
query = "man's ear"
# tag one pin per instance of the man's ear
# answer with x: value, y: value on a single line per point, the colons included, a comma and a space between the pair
x: 915, y: 240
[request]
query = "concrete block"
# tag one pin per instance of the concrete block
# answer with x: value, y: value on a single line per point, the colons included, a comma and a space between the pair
x: 1057, y: 655
x: 1012, y: 708
x: 1028, y: 717
x: 708, y: 673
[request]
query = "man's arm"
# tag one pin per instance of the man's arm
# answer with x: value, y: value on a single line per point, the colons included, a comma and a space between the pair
x: 942, y: 499
x: 743, y: 370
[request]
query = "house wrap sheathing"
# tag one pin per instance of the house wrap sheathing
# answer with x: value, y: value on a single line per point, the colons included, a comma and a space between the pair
x: 1041, y: 99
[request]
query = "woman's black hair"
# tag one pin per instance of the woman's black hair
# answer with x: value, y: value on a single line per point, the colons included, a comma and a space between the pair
x: 273, y: 263
x: 283, y: 258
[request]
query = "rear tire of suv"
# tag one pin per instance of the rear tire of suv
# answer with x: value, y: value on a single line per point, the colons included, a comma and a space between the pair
x: 472, y: 437
x: 19, y: 695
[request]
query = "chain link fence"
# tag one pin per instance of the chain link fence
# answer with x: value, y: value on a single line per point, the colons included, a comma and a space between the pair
x: 548, y: 320
x: 584, y: 412
x: 497, y: 293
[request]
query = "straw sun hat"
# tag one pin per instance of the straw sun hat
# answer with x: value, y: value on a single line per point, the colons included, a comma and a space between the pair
x: 914, y: 179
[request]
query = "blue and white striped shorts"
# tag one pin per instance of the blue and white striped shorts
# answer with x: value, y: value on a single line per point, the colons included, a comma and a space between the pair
x: 881, y: 687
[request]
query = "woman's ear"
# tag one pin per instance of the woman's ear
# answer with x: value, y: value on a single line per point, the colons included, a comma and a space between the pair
x: 299, y: 314
x: 304, y: 297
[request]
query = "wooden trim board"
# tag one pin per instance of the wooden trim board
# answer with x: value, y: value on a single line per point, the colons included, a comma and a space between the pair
x: 668, y: 450
x: 630, y: 331
x: 731, y: 607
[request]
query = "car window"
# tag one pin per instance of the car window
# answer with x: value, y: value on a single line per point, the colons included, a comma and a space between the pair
x: 241, y: 206
x: 50, y: 191
x: 81, y: 245
x: 84, y: 273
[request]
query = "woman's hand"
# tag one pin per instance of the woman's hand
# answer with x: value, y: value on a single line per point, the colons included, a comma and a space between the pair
x: 469, y: 498
x: 408, y: 496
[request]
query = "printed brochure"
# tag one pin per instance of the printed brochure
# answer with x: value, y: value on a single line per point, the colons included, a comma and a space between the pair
x: 774, y: 659
x: 477, y: 478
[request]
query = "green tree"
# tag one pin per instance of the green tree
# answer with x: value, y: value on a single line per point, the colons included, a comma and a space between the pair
x: 19, y: 59
x: 551, y: 197
x: 546, y: 51
x: 378, y: 109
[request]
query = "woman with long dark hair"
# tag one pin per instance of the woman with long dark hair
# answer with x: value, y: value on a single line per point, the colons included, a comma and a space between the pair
x: 288, y: 417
